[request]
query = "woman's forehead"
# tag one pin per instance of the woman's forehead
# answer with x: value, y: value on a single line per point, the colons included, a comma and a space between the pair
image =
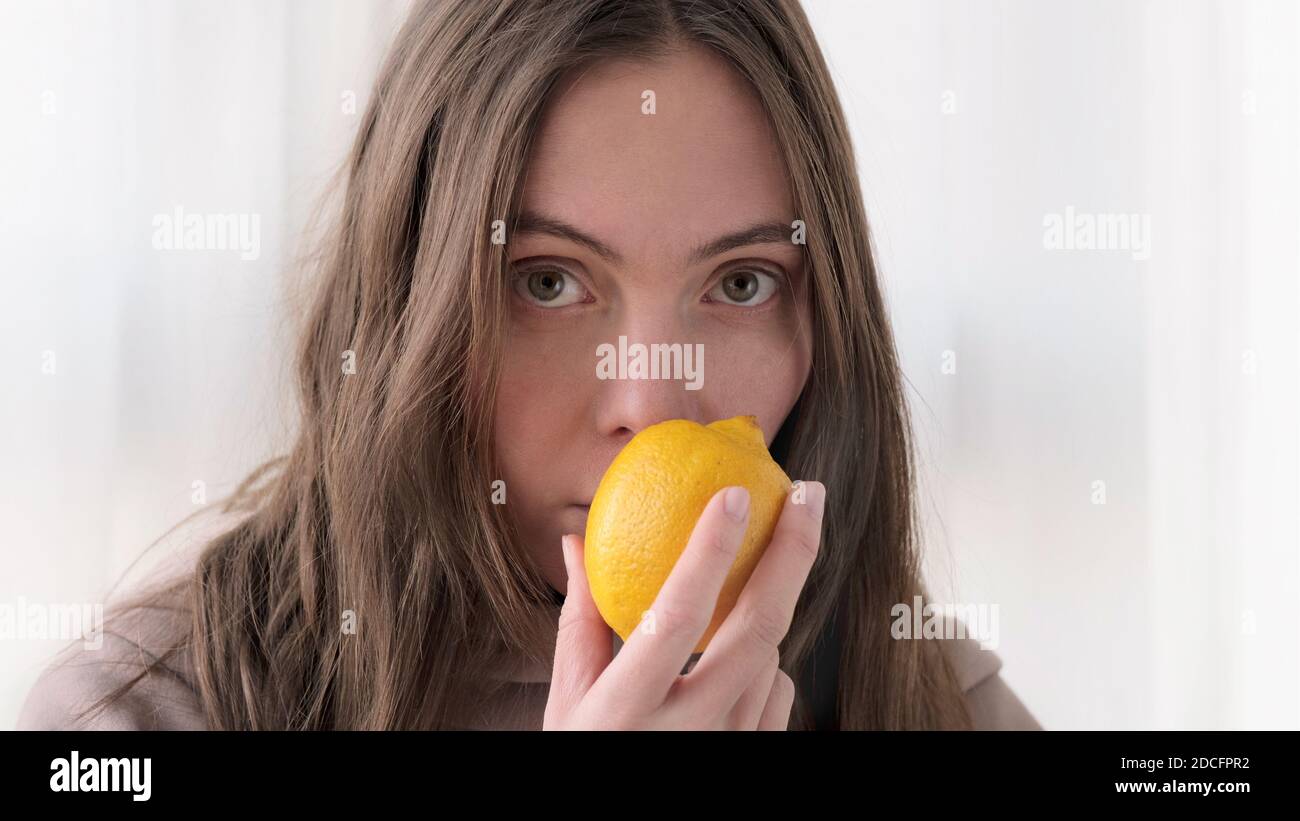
x: 705, y: 162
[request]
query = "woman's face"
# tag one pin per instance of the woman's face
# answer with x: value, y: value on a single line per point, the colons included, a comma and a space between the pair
x: 623, y: 214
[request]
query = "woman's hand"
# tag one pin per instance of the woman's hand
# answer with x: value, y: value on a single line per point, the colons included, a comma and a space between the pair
x: 737, y: 684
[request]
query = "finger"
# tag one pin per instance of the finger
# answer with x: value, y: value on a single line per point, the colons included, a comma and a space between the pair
x: 584, y: 643
x: 776, y: 715
x: 761, y: 617
x: 749, y: 709
x: 651, y: 660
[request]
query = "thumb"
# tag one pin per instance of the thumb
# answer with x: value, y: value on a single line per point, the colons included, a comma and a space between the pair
x: 583, y: 641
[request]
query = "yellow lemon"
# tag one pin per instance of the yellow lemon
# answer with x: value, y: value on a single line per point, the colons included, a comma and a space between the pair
x: 649, y: 500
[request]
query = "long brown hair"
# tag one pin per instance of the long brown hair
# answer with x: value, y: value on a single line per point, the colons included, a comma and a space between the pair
x: 381, y: 508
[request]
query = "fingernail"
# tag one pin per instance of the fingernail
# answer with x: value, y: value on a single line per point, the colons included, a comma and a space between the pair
x: 736, y: 503
x: 816, y: 499
x: 564, y: 550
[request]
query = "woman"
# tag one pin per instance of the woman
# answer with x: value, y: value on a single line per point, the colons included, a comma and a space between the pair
x: 533, y: 180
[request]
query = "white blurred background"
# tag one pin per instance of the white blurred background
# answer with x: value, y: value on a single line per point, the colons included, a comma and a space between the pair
x: 1109, y: 444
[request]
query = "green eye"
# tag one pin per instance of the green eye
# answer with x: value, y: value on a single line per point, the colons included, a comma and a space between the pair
x: 747, y: 288
x: 549, y: 288
x: 545, y: 285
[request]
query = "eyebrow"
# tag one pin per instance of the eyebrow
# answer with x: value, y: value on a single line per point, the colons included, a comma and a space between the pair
x: 764, y: 232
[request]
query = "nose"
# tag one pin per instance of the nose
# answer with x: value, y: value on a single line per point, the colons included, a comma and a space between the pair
x: 626, y: 407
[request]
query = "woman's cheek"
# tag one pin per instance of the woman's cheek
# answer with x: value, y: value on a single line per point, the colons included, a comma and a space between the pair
x: 545, y: 377
x: 761, y: 372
